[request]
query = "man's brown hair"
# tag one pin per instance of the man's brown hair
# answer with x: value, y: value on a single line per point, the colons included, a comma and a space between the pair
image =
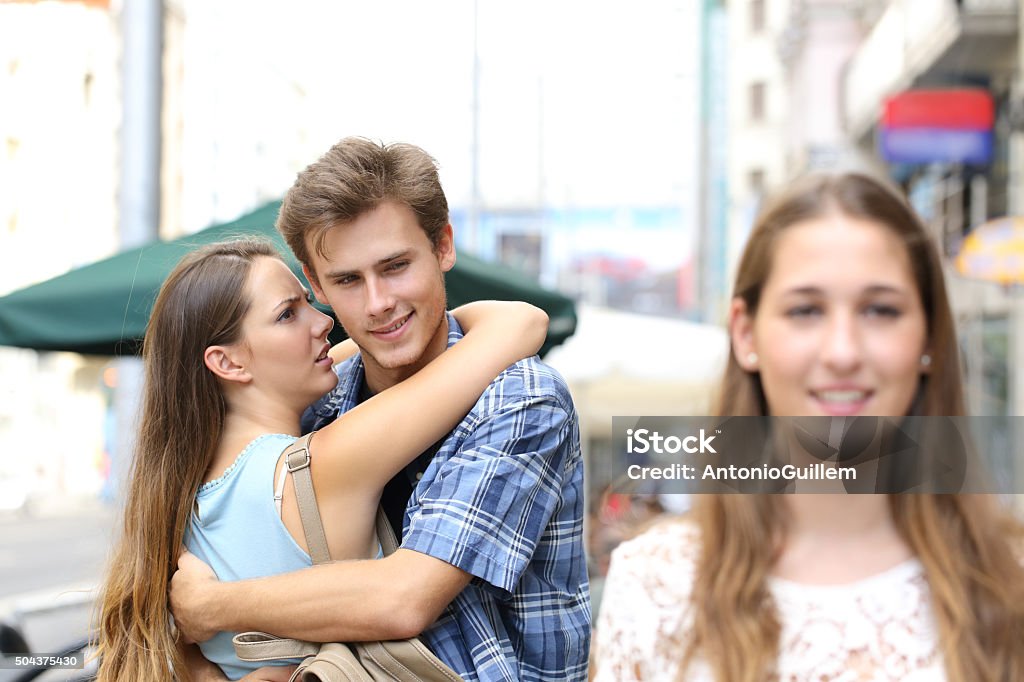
x: 354, y: 177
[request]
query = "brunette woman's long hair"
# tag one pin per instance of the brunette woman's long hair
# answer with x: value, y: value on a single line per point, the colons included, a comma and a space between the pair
x: 969, y: 546
x: 202, y: 303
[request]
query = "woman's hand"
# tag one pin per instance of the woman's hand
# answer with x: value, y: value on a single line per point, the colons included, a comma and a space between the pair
x: 340, y: 352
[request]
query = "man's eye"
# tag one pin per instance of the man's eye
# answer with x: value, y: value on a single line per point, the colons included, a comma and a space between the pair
x: 398, y: 265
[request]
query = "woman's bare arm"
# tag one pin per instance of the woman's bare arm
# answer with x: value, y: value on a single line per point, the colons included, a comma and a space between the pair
x: 369, y: 444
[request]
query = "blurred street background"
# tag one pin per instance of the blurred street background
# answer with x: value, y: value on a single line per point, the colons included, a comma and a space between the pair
x: 614, y: 151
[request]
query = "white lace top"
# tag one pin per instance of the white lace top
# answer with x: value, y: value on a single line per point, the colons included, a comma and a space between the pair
x: 879, y: 629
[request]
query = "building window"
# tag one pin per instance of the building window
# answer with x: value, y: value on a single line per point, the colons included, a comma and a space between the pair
x: 757, y: 15
x: 757, y: 97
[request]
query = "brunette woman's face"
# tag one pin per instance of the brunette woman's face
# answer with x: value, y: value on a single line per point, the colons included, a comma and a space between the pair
x: 285, y: 337
x: 840, y: 328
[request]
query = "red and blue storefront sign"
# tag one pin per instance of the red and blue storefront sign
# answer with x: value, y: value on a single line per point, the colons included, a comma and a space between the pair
x: 938, y: 126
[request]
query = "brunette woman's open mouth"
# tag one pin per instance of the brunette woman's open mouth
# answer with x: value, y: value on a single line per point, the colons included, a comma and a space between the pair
x: 323, y: 357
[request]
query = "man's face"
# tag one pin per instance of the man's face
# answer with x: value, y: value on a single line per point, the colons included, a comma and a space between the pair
x: 386, y: 285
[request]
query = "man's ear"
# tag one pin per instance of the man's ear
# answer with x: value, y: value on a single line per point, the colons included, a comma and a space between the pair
x: 445, y: 248
x: 741, y: 333
x: 224, y: 362
x: 314, y: 284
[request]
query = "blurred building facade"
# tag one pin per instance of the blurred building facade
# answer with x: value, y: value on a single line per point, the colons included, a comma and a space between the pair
x: 785, y: 71
x: 236, y: 126
x: 758, y: 110
x: 60, y: 89
x: 911, y: 44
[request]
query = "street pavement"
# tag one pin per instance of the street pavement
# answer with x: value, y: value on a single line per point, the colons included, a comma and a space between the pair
x: 51, y: 560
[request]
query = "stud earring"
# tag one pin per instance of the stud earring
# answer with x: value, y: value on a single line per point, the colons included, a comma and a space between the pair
x: 751, y: 358
x: 926, y: 360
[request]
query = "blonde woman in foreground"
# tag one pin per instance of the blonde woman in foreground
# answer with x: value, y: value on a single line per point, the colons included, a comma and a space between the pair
x: 839, y: 309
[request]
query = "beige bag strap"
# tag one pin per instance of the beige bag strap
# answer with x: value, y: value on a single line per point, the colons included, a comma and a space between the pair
x: 260, y: 646
x: 385, y: 534
x: 296, y: 461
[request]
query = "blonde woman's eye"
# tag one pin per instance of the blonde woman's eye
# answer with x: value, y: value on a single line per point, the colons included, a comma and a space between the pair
x: 881, y: 310
x: 803, y: 311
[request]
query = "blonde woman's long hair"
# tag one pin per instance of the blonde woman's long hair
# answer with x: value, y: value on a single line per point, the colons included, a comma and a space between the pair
x: 969, y: 546
x: 183, y: 409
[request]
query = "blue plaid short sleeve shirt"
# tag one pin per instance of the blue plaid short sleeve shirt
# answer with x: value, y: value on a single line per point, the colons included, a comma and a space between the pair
x: 503, y: 501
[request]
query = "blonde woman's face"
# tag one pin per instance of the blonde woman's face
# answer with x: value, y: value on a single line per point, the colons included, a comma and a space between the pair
x: 840, y: 329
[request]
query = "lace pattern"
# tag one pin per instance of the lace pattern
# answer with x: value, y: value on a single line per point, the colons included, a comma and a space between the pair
x: 879, y: 629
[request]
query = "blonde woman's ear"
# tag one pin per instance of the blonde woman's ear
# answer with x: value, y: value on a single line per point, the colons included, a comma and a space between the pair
x: 741, y: 333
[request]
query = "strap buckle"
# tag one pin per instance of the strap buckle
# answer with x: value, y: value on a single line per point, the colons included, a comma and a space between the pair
x: 297, y: 459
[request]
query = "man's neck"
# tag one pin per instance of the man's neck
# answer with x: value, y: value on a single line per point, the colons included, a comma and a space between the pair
x: 378, y: 378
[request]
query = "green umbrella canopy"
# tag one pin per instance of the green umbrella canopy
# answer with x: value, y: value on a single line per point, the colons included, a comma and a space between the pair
x: 103, y: 308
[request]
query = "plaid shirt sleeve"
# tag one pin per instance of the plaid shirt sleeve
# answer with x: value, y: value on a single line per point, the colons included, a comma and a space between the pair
x: 490, y: 503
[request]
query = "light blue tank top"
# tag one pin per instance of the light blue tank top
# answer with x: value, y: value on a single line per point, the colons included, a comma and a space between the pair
x: 238, y: 532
